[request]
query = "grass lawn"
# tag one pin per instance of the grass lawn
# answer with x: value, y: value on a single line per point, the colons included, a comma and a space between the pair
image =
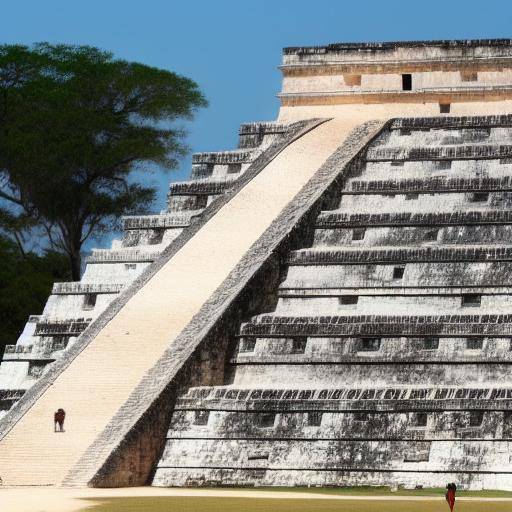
x: 385, y: 491
x: 215, y: 504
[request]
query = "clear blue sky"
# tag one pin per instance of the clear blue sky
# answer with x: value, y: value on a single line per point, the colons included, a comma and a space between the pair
x: 232, y: 48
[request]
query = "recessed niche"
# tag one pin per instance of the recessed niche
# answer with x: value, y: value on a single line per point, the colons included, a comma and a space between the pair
x: 369, y: 344
x: 348, y: 300
x: 358, y: 233
x: 398, y: 272
x: 406, y: 82
x: 471, y: 300
x: 474, y: 343
x: 430, y: 343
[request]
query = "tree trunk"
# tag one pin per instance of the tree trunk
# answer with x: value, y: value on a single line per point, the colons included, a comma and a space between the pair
x: 75, y: 261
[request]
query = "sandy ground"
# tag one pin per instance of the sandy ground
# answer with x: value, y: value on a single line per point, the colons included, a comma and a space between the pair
x: 57, y: 499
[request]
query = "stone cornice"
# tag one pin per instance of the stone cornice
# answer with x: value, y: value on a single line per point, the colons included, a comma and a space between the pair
x: 380, y: 325
x: 170, y: 220
x: 380, y: 255
x: 430, y: 95
x: 344, y: 220
x: 447, y: 122
x: 121, y: 256
x: 394, y: 45
x: 395, y: 67
x: 466, y: 152
x: 200, y: 187
x: 79, y: 288
x: 223, y: 157
x: 435, y: 185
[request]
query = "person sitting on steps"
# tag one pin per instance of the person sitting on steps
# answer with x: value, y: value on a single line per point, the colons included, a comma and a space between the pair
x: 58, y: 418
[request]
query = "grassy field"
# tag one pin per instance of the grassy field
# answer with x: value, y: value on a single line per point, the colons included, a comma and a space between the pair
x: 385, y: 491
x: 211, y: 504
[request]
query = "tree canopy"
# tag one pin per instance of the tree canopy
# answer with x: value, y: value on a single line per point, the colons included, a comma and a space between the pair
x: 74, y: 124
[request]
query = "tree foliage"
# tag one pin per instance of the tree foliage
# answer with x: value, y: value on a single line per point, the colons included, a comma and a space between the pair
x: 25, y: 282
x: 74, y: 125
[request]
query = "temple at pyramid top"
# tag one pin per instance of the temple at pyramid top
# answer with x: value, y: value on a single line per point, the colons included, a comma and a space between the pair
x: 442, y: 76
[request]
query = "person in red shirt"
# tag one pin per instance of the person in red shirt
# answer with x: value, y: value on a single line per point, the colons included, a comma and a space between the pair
x: 450, y: 495
x: 58, y: 419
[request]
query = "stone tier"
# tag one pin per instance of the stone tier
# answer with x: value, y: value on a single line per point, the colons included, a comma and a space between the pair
x: 200, y: 187
x: 222, y: 157
x: 79, y: 288
x: 174, y: 220
x: 390, y: 289
x: 121, y: 256
x: 379, y: 325
x: 252, y: 134
x: 342, y: 219
x: 383, y: 399
x: 382, y: 255
x: 420, y: 123
x: 459, y: 152
x: 430, y: 185
x: 62, y: 327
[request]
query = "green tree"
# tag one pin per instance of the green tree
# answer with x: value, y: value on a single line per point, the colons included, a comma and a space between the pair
x: 26, y: 280
x: 75, y: 124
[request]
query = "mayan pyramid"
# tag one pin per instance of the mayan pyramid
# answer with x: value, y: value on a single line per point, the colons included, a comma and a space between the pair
x: 328, y: 304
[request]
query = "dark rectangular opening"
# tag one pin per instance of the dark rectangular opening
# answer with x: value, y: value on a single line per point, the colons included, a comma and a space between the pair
x: 443, y: 165
x: 406, y: 82
x: 471, y: 300
x: 479, y: 197
x: 420, y: 419
x: 90, y: 300
x: 430, y: 343
x: 358, y: 233
x: 405, y: 131
x: 398, y: 272
x: 369, y: 344
x: 201, y: 417
x: 411, y: 195
x: 265, y: 419
x: 431, y: 235
x: 361, y: 416
x: 234, y: 168
x: 476, y: 418
x: 299, y: 345
x: 314, y: 419
x: 201, y: 201
x: 474, y: 343
x: 258, y: 456
x: 156, y: 237
x: 346, y: 300
x: 444, y: 108
x: 397, y: 163
x: 247, y: 344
